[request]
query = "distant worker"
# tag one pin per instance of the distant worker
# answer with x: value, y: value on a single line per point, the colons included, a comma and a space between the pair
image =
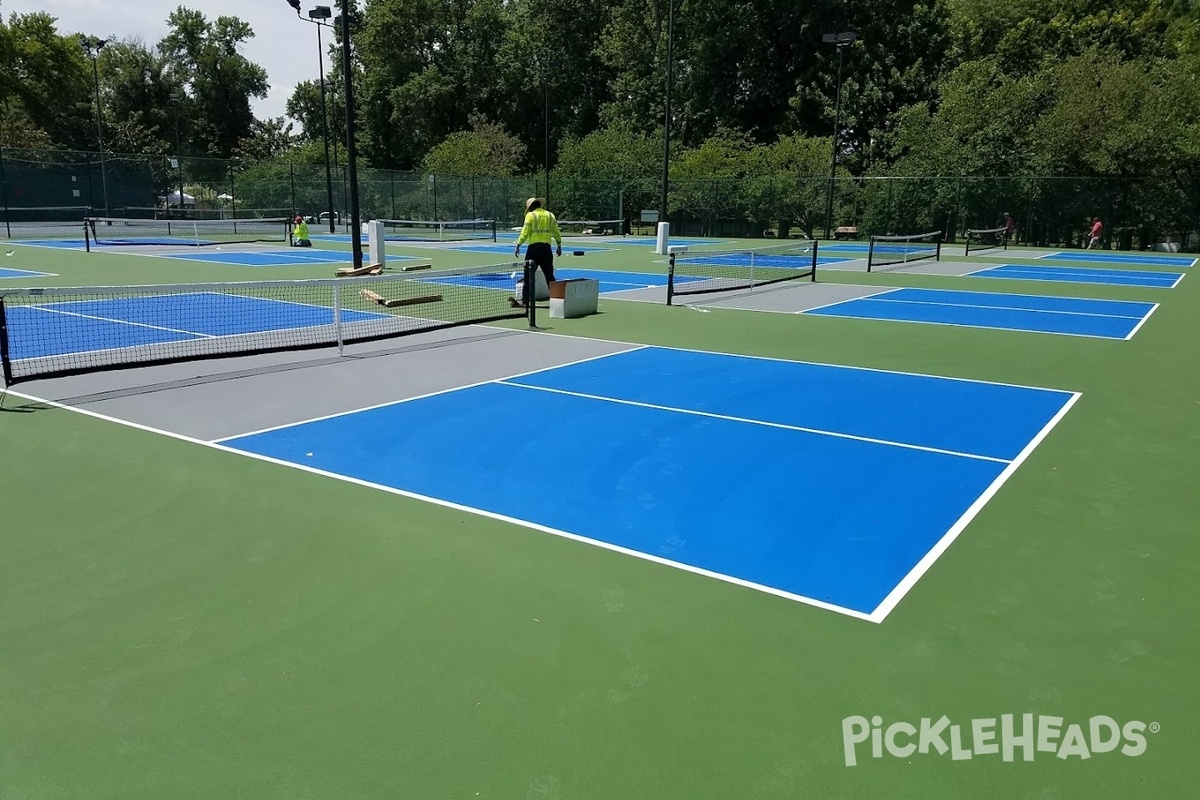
x: 1096, y: 234
x: 540, y: 228
x: 300, y: 233
x: 1010, y: 229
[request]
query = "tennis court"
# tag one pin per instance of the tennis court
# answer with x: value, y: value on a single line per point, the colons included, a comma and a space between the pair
x: 1105, y: 319
x: 1103, y: 277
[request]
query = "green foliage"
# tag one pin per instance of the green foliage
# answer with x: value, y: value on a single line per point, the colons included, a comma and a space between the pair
x: 486, y: 150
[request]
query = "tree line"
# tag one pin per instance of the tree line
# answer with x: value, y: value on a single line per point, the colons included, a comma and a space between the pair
x: 1076, y: 89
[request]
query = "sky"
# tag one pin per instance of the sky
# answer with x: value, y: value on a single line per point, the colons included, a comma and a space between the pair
x: 282, y: 44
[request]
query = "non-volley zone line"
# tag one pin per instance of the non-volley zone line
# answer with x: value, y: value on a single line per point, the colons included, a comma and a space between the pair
x: 1101, y: 257
x: 785, y: 477
x: 1071, y: 316
x: 1108, y: 277
x: 7, y: 274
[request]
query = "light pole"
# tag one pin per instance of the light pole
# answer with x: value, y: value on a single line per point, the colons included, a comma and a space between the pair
x: 92, y: 46
x: 841, y: 40
x: 319, y: 16
x: 351, y: 152
x: 666, y: 170
x: 539, y: 62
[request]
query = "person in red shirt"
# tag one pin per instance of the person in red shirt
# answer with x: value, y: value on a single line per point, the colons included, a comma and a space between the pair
x: 1096, y: 233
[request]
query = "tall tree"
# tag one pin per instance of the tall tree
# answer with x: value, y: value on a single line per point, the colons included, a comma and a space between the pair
x: 203, y: 56
x: 45, y: 84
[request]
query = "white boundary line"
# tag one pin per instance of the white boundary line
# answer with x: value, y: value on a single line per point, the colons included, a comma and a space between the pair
x: 750, y: 421
x: 978, y: 327
x: 1142, y: 322
x: 1075, y: 279
x: 1065, y: 255
x: 1027, y: 310
x: 643, y: 345
x: 423, y: 396
x: 917, y: 572
x: 48, y: 310
x: 25, y: 273
x: 467, y: 509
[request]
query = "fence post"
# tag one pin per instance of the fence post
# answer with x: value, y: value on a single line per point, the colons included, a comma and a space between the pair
x: 232, y: 193
x: 292, y: 173
x: 392, y: 186
x: 4, y: 195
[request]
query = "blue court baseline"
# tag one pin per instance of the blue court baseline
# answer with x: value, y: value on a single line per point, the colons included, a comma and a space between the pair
x: 82, y: 326
x: 752, y: 471
x: 1108, y: 277
x: 1105, y: 319
x: 1179, y: 262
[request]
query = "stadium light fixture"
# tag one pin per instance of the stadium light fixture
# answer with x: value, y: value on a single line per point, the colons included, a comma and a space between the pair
x: 841, y: 40
x: 92, y: 45
x: 666, y: 170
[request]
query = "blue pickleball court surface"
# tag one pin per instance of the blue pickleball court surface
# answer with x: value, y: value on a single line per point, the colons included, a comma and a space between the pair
x: 1109, y: 257
x: 6, y: 274
x: 1073, y: 316
x: 1106, y: 277
x: 82, y: 326
x: 610, y: 281
x: 824, y: 484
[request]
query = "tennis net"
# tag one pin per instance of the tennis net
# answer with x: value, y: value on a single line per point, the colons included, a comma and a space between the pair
x: 114, y: 231
x: 704, y: 271
x: 886, y: 251
x: 603, y: 227
x: 43, y: 222
x: 415, y: 230
x: 986, y: 239
x: 63, y: 331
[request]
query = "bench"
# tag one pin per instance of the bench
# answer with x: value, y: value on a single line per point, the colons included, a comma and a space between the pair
x: 846, y: 232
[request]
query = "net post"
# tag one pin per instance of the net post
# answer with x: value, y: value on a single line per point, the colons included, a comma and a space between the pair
x: 937, y: 256
x: 816, y: 245
x: 670, y: 278
x: 5, y: 362
x: 337, y: 316
x: 493, y: 221
x: 87, y: 237
x: 870, y: 253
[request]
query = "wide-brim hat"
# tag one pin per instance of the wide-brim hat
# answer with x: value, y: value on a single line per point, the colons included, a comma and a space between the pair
x: 529, y: 203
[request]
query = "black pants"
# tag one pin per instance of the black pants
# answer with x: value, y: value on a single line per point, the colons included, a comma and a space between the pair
x: 541, y: 254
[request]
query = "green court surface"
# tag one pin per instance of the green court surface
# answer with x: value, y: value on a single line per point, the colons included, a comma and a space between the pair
x: 181, y: 622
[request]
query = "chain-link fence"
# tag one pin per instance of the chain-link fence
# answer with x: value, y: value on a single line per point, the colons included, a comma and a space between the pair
x: 1138, y: 212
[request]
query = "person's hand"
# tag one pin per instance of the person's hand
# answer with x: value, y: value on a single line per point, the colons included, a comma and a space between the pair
x: 517, y: 251
x: 559, y: 251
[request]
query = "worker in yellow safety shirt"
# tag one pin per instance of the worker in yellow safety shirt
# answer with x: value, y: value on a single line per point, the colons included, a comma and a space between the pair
x: 539, y: 230
x: 300, y: 233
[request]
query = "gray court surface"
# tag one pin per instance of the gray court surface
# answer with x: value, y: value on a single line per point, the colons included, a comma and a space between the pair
x: 791, y: 297
x: 218, y: 398
x: 943, y: 267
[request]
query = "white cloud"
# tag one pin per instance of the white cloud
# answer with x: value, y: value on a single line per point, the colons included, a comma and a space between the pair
x: 282, y: 44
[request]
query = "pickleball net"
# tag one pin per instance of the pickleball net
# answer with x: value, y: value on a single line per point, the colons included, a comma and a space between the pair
x: 979, y: 240
x: 416, y: 230
x: 889, y: 251
x: 118, y: 231
x: 705, y: 271
x: 69, y: 330
x: 43, y: 222
x: 602, y: 227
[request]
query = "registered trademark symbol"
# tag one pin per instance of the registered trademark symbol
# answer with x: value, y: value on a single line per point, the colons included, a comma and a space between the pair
x: 1155, y: 727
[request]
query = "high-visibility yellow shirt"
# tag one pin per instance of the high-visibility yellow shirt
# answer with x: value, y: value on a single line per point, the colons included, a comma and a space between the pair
x: 301, y: 231
x: 540, y: 227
